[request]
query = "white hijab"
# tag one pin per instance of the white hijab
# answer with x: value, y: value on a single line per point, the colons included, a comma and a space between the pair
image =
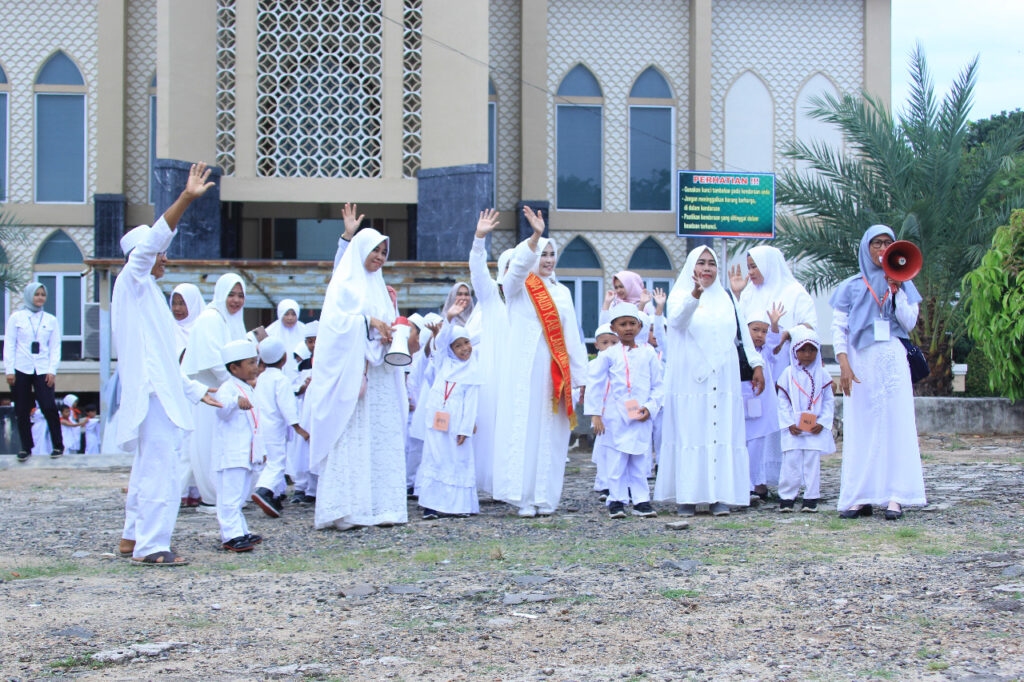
x: 236, y: 321
x: 462, y: 318
x: 779, y: 285
x: 713, y: 326
x: 342, y: 348
x: 289, y: 336
x: 450, y: 367
x: 541, y: 245
x: 503, y: 261
x: 207, y: 335
x: 811, y: 380
x: 194, y: 304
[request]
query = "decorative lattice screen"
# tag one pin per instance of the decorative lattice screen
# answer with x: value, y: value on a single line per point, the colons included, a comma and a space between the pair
x: 226, y: 86
x: 412, y: 85
x: 319, y: 88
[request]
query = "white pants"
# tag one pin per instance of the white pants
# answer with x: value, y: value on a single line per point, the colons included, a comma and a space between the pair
x: 627, y: 476
x: 233, y: 486
x: 272, y: 476
x: 151, y: 509
x: 756, y: 454
x: 800, y: 467
x: 413, y: 457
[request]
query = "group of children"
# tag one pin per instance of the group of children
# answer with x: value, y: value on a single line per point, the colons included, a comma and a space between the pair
x: 80, y: 429
x: 788, y: 426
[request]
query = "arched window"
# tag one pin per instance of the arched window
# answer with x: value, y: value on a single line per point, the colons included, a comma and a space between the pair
x: 492, y: 138
x: 651, y: 143
x: 810, y: 129
x: 580, y: 270
x: 5, y: 88
x: 749, y: 126
x: 152, y: 136
x: 651, y: 262
x: 60, y: 132
x: 59, y: 267
x: 578, y: 141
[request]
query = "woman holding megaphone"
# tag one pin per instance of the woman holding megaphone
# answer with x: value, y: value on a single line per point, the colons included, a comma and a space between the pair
x: 881, y: 459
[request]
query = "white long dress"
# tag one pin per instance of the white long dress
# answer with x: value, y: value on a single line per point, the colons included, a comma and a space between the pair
x: 704, y: 458
x: 531, y: 440
x: 881, y: 456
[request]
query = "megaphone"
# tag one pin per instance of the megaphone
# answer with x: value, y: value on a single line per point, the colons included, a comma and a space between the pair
x: 902, y: 261
x: 398, y: 354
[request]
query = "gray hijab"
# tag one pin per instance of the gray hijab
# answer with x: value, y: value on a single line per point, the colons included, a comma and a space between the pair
x: 28, y: 293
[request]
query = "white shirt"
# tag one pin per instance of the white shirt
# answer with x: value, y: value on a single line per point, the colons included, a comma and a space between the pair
x: 24, y: 327
x: 236, y: 441
x: 643, y: 385
x: 278, y: 408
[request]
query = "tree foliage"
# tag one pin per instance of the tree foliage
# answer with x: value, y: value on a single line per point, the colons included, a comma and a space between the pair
x: 995, y: 308
x: 911, y: 172
x: 11, y: 277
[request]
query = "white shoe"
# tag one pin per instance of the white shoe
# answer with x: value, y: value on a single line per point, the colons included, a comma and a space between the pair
x: 527, y: 512
x: 545, y: 511
x: 344, y: 525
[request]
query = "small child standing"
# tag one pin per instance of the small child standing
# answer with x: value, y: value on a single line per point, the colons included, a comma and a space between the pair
x: 761, y: 412
x: 297, y: 458
x: 275, y: 399
x: 603, y: 338
x: 237, y: 444
x: 70, y: 427
x: 806, y: 408
x: 92, y: 431
x: 446, y: 479
x: 632, y: 373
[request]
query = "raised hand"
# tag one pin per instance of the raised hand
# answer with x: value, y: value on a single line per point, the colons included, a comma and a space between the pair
x: 536, y: 221
x: 659, y: 300
x: 487, y: 222
x: 609, y: 298
x: 775, y: 314
x: 455, y: 309
x: 645, y: 298
x: 737, y: 280
x: 197, y: 183
x: 352, y: 222
x: 698, y: 288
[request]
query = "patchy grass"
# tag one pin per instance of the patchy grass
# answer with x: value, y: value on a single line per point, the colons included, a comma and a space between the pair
x: 938, y: 665
x: 679, y: 593
x: 192, y: 622
x: 879, y: 673
x: 60, y: 569
x: 79, y: 661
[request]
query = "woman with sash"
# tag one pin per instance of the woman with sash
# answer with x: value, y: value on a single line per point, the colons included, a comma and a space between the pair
x: 543, y: 359
x: 870, y: 314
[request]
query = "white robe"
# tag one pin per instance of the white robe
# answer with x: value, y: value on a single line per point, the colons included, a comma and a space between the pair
x: 704, y: 458
x: 531, y: 441
x: 492, y: 317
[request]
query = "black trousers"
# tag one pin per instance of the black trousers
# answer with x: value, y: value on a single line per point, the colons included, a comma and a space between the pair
x: 24, y: 384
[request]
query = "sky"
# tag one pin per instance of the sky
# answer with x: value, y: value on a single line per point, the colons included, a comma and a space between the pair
x: 952, y: 33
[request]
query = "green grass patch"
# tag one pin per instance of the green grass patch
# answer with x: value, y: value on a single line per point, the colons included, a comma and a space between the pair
x: 679, y: 593
x: 879, y: 673
x: 79, y: 661
x: 938, y: 665
x: 428, y: 556
x: 192, y: 622
x: 59, y: 569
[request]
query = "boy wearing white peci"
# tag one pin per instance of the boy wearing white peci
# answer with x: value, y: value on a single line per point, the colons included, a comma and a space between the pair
x: 806, y: 408
x: 633, y: 376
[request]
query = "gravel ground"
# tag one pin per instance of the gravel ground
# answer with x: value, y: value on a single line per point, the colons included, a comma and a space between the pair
x: 757, y: 595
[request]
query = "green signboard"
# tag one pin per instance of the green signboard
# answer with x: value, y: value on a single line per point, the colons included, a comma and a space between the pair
x: 726, y: 205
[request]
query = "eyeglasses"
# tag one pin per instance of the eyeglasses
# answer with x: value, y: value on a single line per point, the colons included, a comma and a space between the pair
x: 880, y: 243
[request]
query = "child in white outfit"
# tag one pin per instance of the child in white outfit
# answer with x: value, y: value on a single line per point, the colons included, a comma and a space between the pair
x: 92, y: 431
x: 603, y: 338
x: 632, y: 373
x: 237, y: 446
x: 275, y: 399
x: 761, y: 412
x: 806, y: 408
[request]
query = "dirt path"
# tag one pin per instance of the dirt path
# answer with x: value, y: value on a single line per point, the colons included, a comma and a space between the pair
x: 758, y: 595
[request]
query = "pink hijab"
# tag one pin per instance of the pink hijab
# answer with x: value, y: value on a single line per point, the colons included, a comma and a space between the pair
x: 634, y: 285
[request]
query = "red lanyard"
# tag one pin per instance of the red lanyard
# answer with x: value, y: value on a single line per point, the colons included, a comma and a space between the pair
x: 810, y: 399
x: 448, y: 392
x: 629, y: 389
x: 884, y: 298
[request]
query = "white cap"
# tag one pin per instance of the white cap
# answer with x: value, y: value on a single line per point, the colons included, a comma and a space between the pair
x: 624, y: 310
x: 312, y: 328
x: 238, y: 350
x: 604, y: 329
x: 271, y: 350
x: 133, y: 238
x: 417, y: 320
x: 433, y: 318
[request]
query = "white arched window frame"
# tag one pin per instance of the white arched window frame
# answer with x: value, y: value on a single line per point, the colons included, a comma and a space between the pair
x: 652, y: 150
x: 60, y: 132
x: 808, y: 129
x: 651, y: 261
x: 59, y: 267
x: 152, y: 139
x: 579, y: 269
x: 749, y: 128
x: 579, y: 147
x: 5, y: 90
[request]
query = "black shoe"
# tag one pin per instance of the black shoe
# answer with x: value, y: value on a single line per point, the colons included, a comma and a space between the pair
x: 309, y: 499
x: 894, y: 514
x: 854, y: 513
x: 809, y: 505
x: 57, y: 452
x: 297, y: 498
x: 254, y: 539
x: 23, y: 456
x: 264, y: 499
x: 430, y: 514
x: 644, y: 510
x: 410, y: 493
x: 239, y: 544
x: 786, y: 506
x: 602, y: 495
x: 279, y: 501
x: 616, y: 510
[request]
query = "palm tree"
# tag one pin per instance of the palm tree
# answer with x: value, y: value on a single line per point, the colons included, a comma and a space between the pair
x: 913, y: 173
x: 11, y: 276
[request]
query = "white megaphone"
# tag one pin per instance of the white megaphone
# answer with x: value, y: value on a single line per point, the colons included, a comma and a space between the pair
x: 398, y: 354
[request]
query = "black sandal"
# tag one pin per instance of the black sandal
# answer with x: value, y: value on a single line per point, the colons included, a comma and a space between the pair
x: 162, y: 560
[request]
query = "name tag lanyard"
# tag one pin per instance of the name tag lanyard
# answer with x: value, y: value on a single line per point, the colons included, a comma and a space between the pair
x: 632, y: 406
x: 34, y: 346
x: 882, y: 325
x: 810, y: 399
x: 253, y: 418
x: 441, y: 417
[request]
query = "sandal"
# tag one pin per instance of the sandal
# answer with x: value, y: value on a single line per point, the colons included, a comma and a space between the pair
x: 162, y: 559
x: 126, y: 547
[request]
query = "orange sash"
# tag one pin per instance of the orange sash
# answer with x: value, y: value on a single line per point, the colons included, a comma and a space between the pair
x: 552, y: 324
